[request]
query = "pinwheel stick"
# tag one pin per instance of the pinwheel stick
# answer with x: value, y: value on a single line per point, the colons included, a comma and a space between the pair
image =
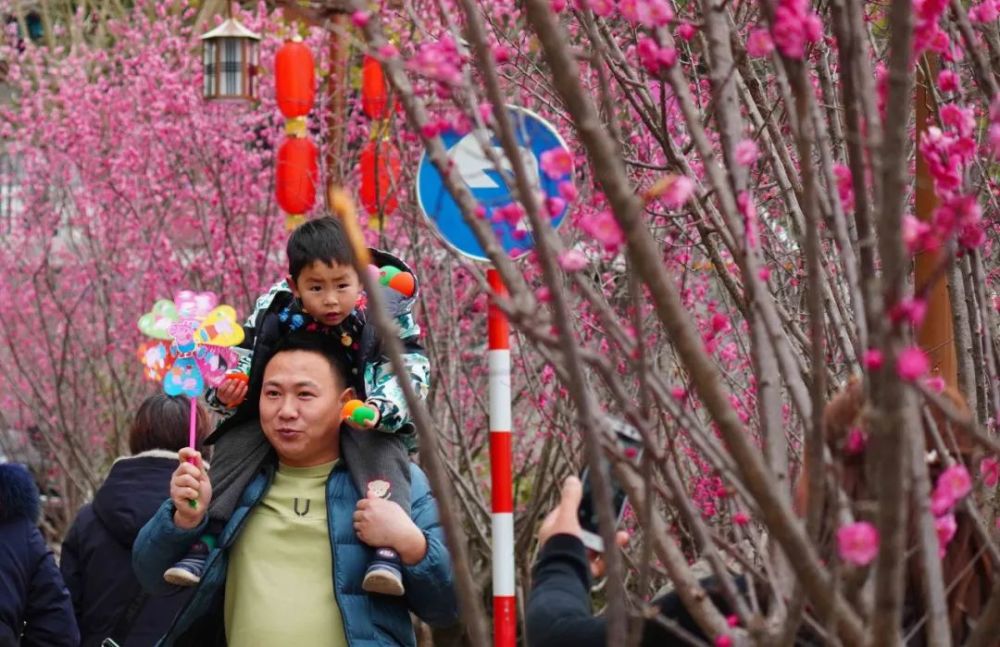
x: 192, y: 437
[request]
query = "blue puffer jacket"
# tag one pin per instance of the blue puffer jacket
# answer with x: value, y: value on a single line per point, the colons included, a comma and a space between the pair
x: 369, y: 621
x: 35, y: 608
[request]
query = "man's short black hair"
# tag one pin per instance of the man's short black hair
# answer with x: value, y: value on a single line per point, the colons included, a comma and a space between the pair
x: 313, y: 342
x: 322, y: 239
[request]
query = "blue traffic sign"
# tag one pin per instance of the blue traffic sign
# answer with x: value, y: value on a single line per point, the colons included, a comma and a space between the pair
x: 535, y: 136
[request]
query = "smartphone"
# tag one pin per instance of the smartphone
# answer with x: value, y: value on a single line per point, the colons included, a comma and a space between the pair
x: 631, y: 443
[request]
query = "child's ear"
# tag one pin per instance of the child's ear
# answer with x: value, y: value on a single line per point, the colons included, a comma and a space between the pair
x: 291, y: 283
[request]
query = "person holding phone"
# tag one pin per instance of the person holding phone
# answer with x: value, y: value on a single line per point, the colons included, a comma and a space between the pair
x: 559, y: 612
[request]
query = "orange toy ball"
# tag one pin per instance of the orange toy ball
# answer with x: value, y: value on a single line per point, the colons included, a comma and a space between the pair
x: 349, y: 408
x: 404, y: 283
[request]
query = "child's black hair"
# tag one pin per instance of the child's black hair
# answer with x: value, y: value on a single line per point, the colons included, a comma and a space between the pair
x: 313, y: 342
x: 322, y: 239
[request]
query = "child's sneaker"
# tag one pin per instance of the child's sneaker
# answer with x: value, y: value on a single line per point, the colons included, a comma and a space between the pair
x: 385, y: 573
x: 186, y: 572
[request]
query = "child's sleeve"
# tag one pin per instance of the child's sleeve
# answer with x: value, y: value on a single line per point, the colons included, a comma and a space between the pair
x: 385, y: 392
x: 246, y: 357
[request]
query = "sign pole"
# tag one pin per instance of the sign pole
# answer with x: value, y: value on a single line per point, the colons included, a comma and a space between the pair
x: 486, y: 183
x: 501, y: 471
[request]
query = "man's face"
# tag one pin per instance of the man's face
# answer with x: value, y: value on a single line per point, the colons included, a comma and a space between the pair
x: 328, y: 292
x: 300, y: 405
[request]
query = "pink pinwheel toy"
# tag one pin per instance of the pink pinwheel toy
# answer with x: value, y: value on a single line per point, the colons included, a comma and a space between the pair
x: 192, y: 335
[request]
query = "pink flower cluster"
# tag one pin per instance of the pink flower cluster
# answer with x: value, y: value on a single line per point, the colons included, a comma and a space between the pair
x: 986, y: 11
x: 599, y: 7
x: 648, y: 13
x: 845, y: 186
x: 795, y: 25
x: 438, y: 60
x: 947, y: 151
x: 655, y: 58
x: 927, y: 35
x: 603, y: 228
x: 952, y: 486
x: 994, y: 134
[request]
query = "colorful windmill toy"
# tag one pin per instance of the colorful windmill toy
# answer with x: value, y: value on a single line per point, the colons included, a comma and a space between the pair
x: 397, y: 279
x: 190, y: 348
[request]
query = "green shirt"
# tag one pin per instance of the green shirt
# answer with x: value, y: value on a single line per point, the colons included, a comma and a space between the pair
x: 279, y: 587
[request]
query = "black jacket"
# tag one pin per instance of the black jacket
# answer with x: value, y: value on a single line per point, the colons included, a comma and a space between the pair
x: 34, y: 603
x: 559, y: 603
x: 97, y: 553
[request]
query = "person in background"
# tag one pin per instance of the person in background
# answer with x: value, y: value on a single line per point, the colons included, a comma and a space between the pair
x: 35, y: 609
x: 559, y: 612
x: 97, y: 552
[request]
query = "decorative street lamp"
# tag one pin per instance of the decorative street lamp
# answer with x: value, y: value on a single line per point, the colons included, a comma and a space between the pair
x: 229, y: 59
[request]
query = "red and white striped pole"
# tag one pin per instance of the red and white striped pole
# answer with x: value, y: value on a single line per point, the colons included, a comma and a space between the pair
x: 501, y: 472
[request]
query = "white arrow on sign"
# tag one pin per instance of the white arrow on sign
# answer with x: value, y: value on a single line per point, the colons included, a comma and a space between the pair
x: 472, y: 163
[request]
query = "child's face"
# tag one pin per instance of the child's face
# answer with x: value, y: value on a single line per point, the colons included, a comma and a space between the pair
x: 328, y: 292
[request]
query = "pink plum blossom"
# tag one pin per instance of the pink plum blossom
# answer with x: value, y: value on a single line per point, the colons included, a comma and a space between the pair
x: 677, y: 192
x: 556, y: 163
x: 746, y: 152
x: 952, y: 485
x: 873, y: 359
x: 946, y: 526
x: 845, y: 186
x: 912, y: 364
x: 686, y: 31
x: 947, y: 81
x: 759, y: 43
x: 989, y: 468
x: 855, y: 442
x: 572, y: 260
x: 857, y: 543
x: 603, y: 227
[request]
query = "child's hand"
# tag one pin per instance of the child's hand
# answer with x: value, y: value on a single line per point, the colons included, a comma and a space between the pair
x: 232, y: 391
x: 190, y: 484
x: 359, y: 415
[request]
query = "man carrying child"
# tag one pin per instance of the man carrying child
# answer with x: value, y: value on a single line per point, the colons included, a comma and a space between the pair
x: 321, y: 294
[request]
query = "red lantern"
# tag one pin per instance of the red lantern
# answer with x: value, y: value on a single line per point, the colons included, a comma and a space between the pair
x: 374, y: 91
x: 379, y: 173
x: 297, y: 174
x: 295, y: 79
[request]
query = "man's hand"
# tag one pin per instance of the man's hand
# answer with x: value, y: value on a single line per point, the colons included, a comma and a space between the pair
x: 232, y: 391
x: 563, y: 520
x: 379, y: 522
x: 190, y: 483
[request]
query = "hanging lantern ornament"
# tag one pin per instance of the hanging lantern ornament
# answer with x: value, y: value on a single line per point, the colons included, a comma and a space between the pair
x: 230, y: 61
x: 374, y: 91
x: 295, y: 83
x: 297, y: 176
x: 380, y: 166
x: 298, y: 168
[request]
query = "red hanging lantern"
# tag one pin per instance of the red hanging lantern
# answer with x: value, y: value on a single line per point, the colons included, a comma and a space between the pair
x: 374, y: 91
x: 295, y: 79
x: 380, y: 166
x: 297, y: 175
